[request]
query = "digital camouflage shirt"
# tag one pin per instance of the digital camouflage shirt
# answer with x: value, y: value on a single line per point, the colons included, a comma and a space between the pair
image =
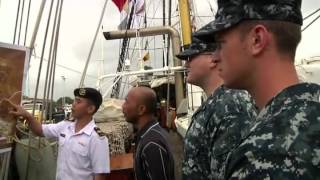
x: 216, y: 128
x: 284, y: 143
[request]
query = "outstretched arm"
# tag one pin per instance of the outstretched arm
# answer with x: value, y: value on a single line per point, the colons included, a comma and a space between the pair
x: 18, y: 111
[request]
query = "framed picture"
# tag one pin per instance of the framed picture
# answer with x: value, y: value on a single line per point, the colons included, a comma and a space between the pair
x: 14, y: 62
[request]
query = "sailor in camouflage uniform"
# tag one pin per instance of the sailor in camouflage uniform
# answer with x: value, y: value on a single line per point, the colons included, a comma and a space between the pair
x: 257, y: 43
x: 217, y: 126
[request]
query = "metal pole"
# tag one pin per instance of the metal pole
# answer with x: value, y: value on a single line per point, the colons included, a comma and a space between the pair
x: 92, y: 45
x: 130, y: 73
x: 163, y: 36
x: 169, y: 23
x: 152, y: 31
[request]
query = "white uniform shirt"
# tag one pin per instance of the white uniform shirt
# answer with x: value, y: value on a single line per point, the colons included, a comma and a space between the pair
x: 81, y: 155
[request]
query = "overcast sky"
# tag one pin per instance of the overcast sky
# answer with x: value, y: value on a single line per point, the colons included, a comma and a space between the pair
x: 79, y: 22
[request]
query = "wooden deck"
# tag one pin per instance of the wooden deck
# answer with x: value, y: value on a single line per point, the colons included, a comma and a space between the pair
x: 121, y: 167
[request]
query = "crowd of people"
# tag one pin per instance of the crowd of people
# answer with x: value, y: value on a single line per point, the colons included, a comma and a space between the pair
x: 258, y: 122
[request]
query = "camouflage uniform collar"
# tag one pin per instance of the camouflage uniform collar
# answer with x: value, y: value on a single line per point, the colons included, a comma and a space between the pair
x: 303, y: 91
x: 212, y: 98
x: 300, y: 91
x: 219, y: 90
x: 292, y: 94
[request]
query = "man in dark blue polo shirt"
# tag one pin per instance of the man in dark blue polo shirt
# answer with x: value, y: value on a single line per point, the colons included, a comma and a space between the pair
x: 152, y: 158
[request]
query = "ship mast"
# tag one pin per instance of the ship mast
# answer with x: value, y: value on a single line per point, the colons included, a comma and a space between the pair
x: 185, y: 22
x: 186, y: 40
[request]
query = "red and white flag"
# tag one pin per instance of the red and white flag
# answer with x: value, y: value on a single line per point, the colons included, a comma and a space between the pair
x: 120, y: 4
x: 125, y: 6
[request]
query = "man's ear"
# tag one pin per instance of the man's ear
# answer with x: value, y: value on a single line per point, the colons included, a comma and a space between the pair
x: 91, y: 109
x: 213, y: 62
x: 259, y: 39
x: 141, y: 109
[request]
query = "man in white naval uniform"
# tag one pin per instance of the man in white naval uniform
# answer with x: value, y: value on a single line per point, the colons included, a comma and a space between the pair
x: 83, y: 148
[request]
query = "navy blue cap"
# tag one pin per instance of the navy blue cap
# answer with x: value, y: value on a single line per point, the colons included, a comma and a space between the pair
x: 89, y: 93
x: 232, y: 12
x: 196, y: 47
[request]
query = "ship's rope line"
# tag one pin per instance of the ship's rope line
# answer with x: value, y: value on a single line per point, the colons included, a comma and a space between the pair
x: 116, y: 80
x: 54, y: 61
x: 92, y: 45
x: 314, y: 20
x: 42, y: 55
x: 311, y: 14
x: 154, y: 12
x: 16, y: 26
x: 148, y: 17
x: 68, y: 68
x: 38, y: 80
x: 143, y: 38
x: 48, y: 78
x: 152, y: 18
x: 27, y: 23
x: 21, y: 21
x: 126, y: 84
x: 211, y: 8
x: 105, y: 83
x: 123, y: 54
x: 134, y: 49
x: 156, y: 48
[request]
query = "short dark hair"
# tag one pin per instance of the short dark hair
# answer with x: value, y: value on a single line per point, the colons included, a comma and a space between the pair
x: 287, y: 35
x: 90, y: 102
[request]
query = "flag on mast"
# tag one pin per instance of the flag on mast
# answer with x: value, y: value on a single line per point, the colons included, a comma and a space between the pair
x: 126, y: 7
x: 120, y: 4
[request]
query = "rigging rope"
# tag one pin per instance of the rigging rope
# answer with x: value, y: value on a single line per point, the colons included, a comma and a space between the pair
x: 21, y: 20
x: 55, y: 56
x: 311, y: 14
x: 48, y: 78
x: 211, y: 8
x: 92, y: 45
x: 27, y: 24
x: 310, y: 23
x: 38, y: 82
x: 17, y: 19
x: 125, y: 42
x: 68, y: 68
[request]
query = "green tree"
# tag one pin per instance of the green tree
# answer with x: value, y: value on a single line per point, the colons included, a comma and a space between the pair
x: 68, y: 100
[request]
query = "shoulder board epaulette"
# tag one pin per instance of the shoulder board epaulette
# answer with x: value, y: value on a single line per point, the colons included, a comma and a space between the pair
x: 99, y: 132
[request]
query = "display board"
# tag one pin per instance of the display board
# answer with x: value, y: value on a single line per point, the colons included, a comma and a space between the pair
x: 13, y: 69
